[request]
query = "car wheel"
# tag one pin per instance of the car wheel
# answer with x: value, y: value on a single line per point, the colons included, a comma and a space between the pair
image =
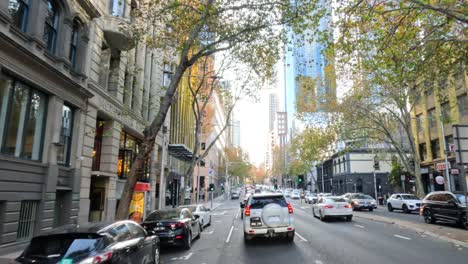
x: 199, y: 231
x: 322, y: 217
x: 371, y: 209
x: 349, y: 218
x: 428, y: 217
x: 464, y: 221
x: 405, y: 209
x: 290, y: 237
x: 188, y: 241
x: 389, y: 207
x: 156, y: 255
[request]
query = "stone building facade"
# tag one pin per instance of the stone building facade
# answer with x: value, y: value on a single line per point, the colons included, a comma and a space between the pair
x: 43, y: 104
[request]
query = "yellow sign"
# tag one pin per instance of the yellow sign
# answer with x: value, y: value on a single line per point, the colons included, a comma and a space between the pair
x: 137, y: 207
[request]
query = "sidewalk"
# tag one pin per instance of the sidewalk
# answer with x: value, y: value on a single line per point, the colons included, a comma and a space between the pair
x: 457, y: 236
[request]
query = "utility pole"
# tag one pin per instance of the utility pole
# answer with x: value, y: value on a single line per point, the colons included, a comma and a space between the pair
x: 447, y: 174
x: 323, y: 179
x: 198, y: 167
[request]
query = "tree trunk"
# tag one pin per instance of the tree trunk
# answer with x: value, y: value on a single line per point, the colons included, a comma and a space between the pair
x: 150, y: 134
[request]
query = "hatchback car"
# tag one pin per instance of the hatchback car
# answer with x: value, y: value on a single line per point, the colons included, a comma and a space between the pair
x: 446, y: 206
x: 119, y: 242
x: 332, y: 207
x: 203, y: 213
x: 174, y: 226
x: 403, y: 201
x: 268, y: 215
x: 235, y: 195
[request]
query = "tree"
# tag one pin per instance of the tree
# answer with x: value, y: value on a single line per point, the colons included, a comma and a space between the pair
x: 389, y: 50
x: 238, y: 163
x: 192, y: 30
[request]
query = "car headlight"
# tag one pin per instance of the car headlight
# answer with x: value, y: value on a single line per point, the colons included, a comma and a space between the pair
x: 373, y: 202
x: 355, y: 202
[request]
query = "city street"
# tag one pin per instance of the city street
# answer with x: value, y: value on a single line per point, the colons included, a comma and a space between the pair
x: 359, y: 241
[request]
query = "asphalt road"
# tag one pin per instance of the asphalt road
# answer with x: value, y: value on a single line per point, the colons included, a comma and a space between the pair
x: 360, y: 241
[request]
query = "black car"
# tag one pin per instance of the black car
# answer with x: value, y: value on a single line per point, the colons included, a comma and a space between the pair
x: 446, y: 206
x: 174, y: 226
x: 104, y: 243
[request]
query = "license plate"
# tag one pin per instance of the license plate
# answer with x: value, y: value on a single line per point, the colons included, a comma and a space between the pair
x: 159, y: 228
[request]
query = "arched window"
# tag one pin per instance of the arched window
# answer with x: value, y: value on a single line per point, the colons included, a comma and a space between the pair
x: 74, y: 43
x: 51, y: 25
x: 19, y: 10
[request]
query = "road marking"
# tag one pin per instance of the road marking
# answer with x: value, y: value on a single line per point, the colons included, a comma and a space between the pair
x: 230, y: 233
x: 188, y: 256
x: 208, y: 233
x: 360, y: 226
x: 301, y: 237
x: 237, y: 214
x: 402, y: 237
x: 318, y: 262
x: 300, y: 210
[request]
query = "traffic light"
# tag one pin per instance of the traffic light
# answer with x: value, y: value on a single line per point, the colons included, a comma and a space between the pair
x: 301, y: 178
x: 376, y: 163
x: 276, y: 186
x: 212, y: 187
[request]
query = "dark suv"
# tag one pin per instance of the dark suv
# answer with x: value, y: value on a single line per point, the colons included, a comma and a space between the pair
x: 446, y: 206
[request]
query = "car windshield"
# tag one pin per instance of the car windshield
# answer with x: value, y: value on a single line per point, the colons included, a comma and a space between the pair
x: 461, y: 197
x: 336, y: 199
x: 359, y: 196
x: 260, y: 202
x: 164, y: 215
x: 409, y: 197
x: 369, y: 197
x: 50, y: 249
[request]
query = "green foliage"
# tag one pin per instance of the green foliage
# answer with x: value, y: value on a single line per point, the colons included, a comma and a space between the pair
x: 395, y: 174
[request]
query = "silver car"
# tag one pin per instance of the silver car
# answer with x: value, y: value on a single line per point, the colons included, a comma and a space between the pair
x: 361, y: 201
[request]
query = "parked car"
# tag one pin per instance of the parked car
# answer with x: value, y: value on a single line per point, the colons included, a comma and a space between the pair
x: 287, y: 193
x: 203, y: 213
x: 311, y: 198
x: 268, y: 215
x: 235, y: 195
x: 332, y: 206
x: 360, y: 201
x: 295, y: 195
x: 118, y: 242
x: 403, y: 201
x: 445, y: 206
x: 174, y: 226
x: 324, y: 194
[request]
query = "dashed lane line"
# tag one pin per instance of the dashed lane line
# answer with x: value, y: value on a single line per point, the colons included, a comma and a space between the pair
x: 301, y: 237
x: 402, y: 237
x: 230, y: 234
x: 188, y: 256
x: 360, y: 226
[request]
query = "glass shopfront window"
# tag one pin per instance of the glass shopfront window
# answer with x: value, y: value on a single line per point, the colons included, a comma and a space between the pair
x: 129, y: 148
x: 22, y: 119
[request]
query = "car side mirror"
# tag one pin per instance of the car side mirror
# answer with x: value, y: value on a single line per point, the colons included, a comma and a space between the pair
x: 196, y: 216
x: 452, y: 202
x: 242, y: 204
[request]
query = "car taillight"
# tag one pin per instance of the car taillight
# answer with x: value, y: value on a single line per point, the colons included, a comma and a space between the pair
x: 177, y: 225
x: 328, y: 206
x: 348, y: 206
x: 101, y: 258
x: 290, y: 209
x: 247, y: 210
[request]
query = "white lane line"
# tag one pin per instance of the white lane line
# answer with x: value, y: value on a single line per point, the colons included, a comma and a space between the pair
x: 360, y: 226
x: 301, y: 237
x: 402, y: 237
x: 188, y: 256
x: 237, y: 214
x: 230, y: 233
x: 300, y: 210
x: 318, y: 262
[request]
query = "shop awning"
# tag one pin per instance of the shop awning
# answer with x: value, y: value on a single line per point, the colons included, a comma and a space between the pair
x: 180, y: 151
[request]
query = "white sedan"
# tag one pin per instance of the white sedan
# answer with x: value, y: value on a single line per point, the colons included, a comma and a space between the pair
x: 202, y: 212
x: 332, y: 206
x: 295, y: 195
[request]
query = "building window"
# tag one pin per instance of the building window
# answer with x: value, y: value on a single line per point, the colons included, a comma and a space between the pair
x: 51, y: 26
x: 432, y: 118
x: 167, y: 75
x: 74, y: 44
x: 96, y: 166
x: 22, y: 118
x: 435, y: 147
x: 127, y: 152
x: 27, y: 220
x: 117, y: 8
x: 19, y: 10
x: 63, y: 152
x: 422, y: 151
x: 463, y: 105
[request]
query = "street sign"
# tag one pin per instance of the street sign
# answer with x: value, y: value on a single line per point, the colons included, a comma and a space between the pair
x: 441, y: 166
x: 455, y: 171
x: 439, y: 180
x: 402, y: 177
x: 210, y: 172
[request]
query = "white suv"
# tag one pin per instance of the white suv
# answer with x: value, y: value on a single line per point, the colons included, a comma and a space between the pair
x: 268, y: 215
x: 403, y: 201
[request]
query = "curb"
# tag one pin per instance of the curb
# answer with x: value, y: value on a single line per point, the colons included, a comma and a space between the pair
x: 418, y: 230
